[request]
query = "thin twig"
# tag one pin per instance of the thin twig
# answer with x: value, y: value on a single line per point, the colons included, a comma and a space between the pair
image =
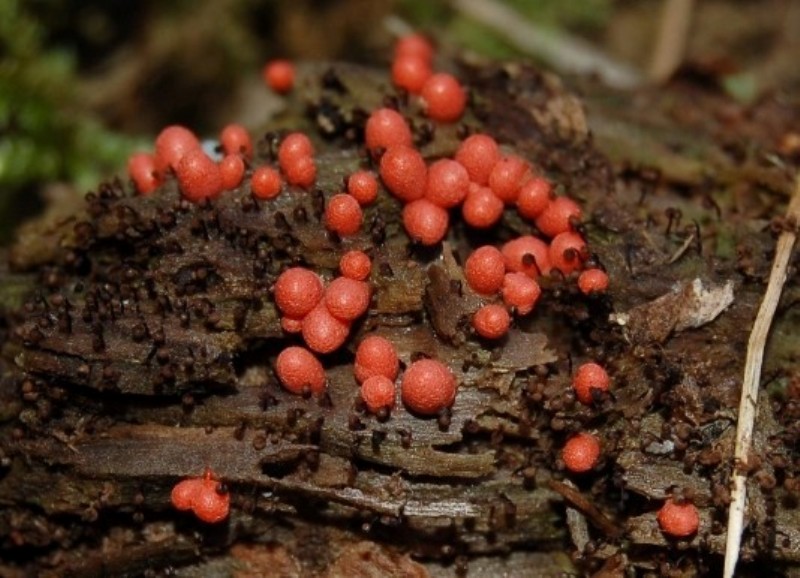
x: 592, y: 512
x: 673, y: 33
x: 563, y: 52
x: 752, y: 378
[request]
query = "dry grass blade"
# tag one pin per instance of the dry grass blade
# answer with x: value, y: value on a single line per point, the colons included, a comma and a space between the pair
x: 564, y: 53
x: 673, y: 34
x: 752, y: 378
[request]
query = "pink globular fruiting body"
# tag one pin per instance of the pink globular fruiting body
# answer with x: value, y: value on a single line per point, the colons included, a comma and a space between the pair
x: 386, y: 128
x: 376, y: 355
x: 425, y: 222
x: 199, y: 176
x: 678, y: 519
x: 265, y: 183
x: 590, y: 382
x: 355, y: 265
x: 235, y: 140
x: 143, y: 173
x: 520, y: 292
x: 363, y: 187
x: 279, y: 75
x: 443, y: 97
x: 343, y: 215
x: 378, y: 393
x: 172, y: 143
x: 299, y: 371
x: 206, y: 497
x: 485, y: 269
x: 404, y: 172
x: 581, y: 453
x: 297, y: 291
x: 428, y: 387
x: 491, y: 321
x: 231, y: 171
x: 593, y: 281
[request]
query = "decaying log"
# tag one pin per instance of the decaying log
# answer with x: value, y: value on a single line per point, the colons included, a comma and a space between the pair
x: 138, y: 350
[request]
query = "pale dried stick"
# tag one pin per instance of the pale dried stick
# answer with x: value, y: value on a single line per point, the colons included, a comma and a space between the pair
x: 563, y: 52
x: 673, y: 33
x: 752, y: 378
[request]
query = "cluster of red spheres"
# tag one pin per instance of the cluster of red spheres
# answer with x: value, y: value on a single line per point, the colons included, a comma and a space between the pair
x: 480, y: 181
x: 322, y: 315
x: 205, y: 496
x: 180, y: 152
x: 376, y: 367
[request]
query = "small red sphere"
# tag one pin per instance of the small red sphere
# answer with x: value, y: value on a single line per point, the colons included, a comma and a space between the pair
x: 508, y: 176
x: 363, y: 186
x: 581, y: 452
x: 265, y: 183
x: 527, y: 254
x: 481, y: 208
x: 322, y: 332
x: 590, y: 382
x: 231, y: 171
x: 425, y: 222
x: 376, y: 355
x: 491, y: 321
x: 593, y: 281
x: 204, y: 496
x: 386, y: 128
x: 534, y: 197
x: 355, y: 265
x: 378, y: 393
x: 184, y: 492
x: 680, y: 520
x: 343, y: 215
x: 142, y: 170
x: 558, y: 216
x: 478, y: 154
x: 410, y: 73
x: 302, y: 172
x: 447, y: 184
x: 235, y: 140
x: 520, y: 292
x: 294, y: 146
x: 415, y: 45
x: 199, y: 177
x: 297, y: 369
x: 211, y: 505
x: 279, y: 75
x: 428, y: 387
x: 347, y: 299
x: 297, y: 291
x: 171, y: 144
x: 484, y: 270
x: 404, y: 173
x: 567, y: 252
x: 444, y: 98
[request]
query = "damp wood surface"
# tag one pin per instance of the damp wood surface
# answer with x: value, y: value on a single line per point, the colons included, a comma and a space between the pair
x: 139, y: 333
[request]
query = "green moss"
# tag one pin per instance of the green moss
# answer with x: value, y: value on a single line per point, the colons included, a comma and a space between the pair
x: 47, y: 136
